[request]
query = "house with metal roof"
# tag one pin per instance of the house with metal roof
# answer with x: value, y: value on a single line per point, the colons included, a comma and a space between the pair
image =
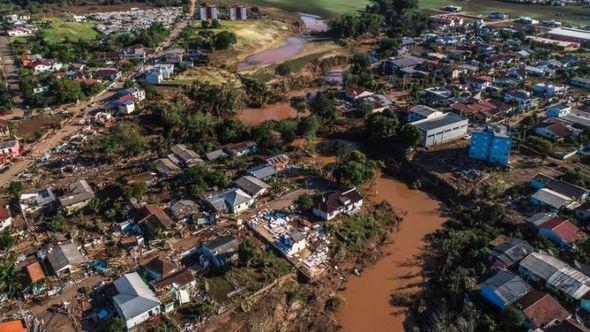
x: 64, y: 258
x: 539, y: 266
x: 135, y: 301
x: 252, y: 186
x: 219, y: 251
x: 504, y: 288
x: 509, y: 252
x: 230, y: 201
x: 262, y: 171
x: 550, y: 199
x: 78, y: 195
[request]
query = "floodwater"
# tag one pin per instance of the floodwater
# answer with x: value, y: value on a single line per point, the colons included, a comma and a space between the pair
x: 277, y: 111
x: 367, y: 306
x: 291, y: 47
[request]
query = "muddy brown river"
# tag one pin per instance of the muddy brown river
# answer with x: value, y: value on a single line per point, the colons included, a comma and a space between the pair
x: 367, y: 305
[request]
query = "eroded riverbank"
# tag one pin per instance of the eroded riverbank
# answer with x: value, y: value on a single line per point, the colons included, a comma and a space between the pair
x: 368, y: 297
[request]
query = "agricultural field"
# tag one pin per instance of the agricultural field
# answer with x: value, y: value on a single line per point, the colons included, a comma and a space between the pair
x: 324, y: 8
x: 62, y: 30
x: 572, y: 14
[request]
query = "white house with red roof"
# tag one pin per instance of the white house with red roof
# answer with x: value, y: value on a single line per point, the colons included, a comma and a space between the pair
x: 9, y: 149
x: 562, y: 232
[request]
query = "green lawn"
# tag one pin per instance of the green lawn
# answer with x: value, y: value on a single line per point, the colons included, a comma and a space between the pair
x: 575, y: 15
x: 324, y: 8
x: 62, y: 30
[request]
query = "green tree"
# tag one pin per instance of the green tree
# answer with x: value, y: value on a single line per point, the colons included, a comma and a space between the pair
x: 249, y: 253
x: 224, y: 40
x: 381, y: 127
x: 305, y: 201
x: 69, y: 91
x: 219, y: 100
x: 11, y: 279
x: 299, y: 104
x: 117, y: 324
x: 512, y: 318
x: 15, y: 188
x: 283, y: 69
x: 257, y: 91
x: 6, y: 241
x: 410, y: 136
x: 135, y: 190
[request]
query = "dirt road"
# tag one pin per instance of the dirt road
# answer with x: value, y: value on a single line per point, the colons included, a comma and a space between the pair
x: 10, y: 74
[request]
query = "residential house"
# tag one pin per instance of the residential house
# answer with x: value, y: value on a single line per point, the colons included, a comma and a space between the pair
x: 329, y: 205
x: 561, y: 232
x: 155, y: 220
x: 167, y: 168
x: 184, y: 210
x: 241, y: 149
x: 504, y: 288
x: 111, y: 74
x: 44, y: 65
x: 186, y: 156
x: 540, y: 266
x: 558, y: 110
x: 252, y: 186
x: 396, y: 64
x: 40, y: 200
x: 510, y: 252
x: 576, y: 193
x: 292, y: 242
x: 64, y: 258
x: 538, y: 71
x: 550, y: 199
x: 135, y: 52
x: 491, y: 145
x: 159, y: 73
x: 9, y: 149
x: 217, y: 154
x: 521, y: 98
x: 421, y: 112
x: 177, y: 286
x: 137, y: 93
x: 5, y: 217
x: 233, y: 201
x: 555, y: 131
x: 442, y: 129
x: 135, y: 301
x: 219, y: 251
x: 377, y: 102
x: 147, y: 178
x: 262, y: 171
x: 33, y: 272
x: 13, y: 326
x: 541, y: 310
x: 125, y: 105
x: 77, y: 196
x: 174, y: 56
x: 481, y: 82
x: 159, y: 267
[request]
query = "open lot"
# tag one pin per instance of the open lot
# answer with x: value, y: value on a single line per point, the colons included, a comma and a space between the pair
x: 570, y: 14
x: 62, y: 31
x: 324, y: 8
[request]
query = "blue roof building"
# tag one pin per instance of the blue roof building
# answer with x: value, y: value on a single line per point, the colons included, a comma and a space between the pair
x: 491, y: 145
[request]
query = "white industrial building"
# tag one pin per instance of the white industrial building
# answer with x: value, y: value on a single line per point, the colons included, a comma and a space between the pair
x: 442, y: 129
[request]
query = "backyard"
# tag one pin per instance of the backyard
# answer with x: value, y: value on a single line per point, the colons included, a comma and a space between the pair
x: 68, y: 31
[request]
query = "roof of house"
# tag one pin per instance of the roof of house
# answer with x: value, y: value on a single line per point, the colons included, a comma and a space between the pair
x: 183, y: 207
x: 4, y: 212
x: 62, y: 255
x: 157, y: 217
x: 551, y: 198
x: 559, y: 129
x: 165, y: 166
x: 235, y: 197
x: 567, y: 231
x: 185, y: 154
x: 240, y: 147
x: 509, y: 287
x: 135, y: 297
x: 539, y: 218
x: 262, y: 171
x: 511, y: 251
x: 571, y: 282
x: 331, y: 201
x: 542, y: 264
x: 423, y: 110
x: 541, y: 308
x: 560, y: 186
x: 160, y: 265
x: 215, y: 154
x: 251, y: 185
x: 34, y: 272
x: 78, y: 191
x: 13, y: 326
x: 178, y: 278
x: 225, y: 245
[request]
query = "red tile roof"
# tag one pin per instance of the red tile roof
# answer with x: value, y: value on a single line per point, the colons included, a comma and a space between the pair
x: 34, y: 272
x: 4, y: 212
x: 567, y: 231
x: 559, y: 129
x: 542, y: 308
x: 13, y: 326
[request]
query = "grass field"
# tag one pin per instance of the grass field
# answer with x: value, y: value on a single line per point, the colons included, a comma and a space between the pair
x: 62, y: 30
x: 575, y: 15
x: 254, y: 34
x: 324, y: 8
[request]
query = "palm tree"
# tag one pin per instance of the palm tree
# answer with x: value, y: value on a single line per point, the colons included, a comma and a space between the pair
x: 10, y: 279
